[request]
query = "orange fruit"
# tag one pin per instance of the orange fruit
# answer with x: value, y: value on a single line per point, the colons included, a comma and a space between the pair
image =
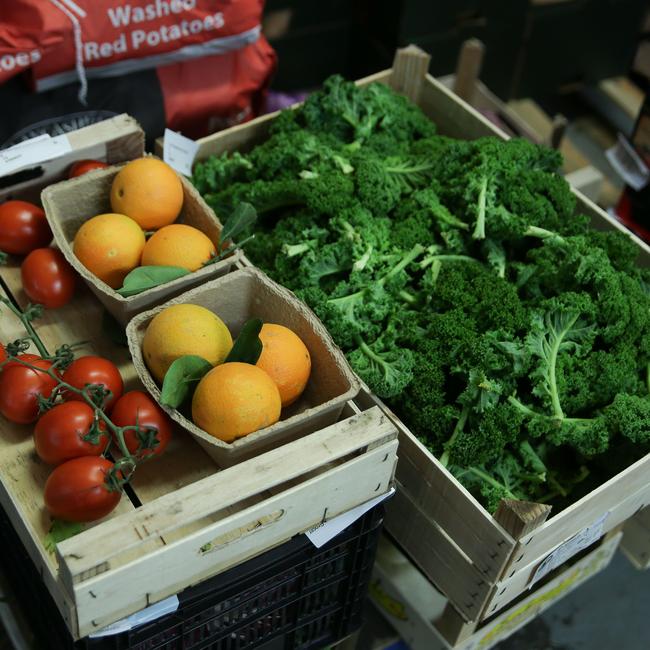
x: 184, y: 329
x: 178, y: 245
x: 109, y: 245
x: 149, y: 191
x: 235, y: 399
x: 286, y: 360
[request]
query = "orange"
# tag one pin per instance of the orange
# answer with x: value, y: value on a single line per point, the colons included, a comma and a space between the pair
x: 109, y: 245
x: 178, y: 245
x: 286, y: 359
x: 235, y: 399
x: 184, y: 329
x: 149, y: 191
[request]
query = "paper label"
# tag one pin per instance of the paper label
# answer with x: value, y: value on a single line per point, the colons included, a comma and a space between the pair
x: 145, y: 615
x: 322, y: 533
x: 566, y: 551
x: 32, y: 152
x: 179, y: 152
x: 628, y: 164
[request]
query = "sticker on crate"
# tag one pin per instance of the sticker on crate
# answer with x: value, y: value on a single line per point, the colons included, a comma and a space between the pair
x: 179, y: 152
x: 322, y: 533
x: 147, y: 615
x: 31, y: 152
x: 564, y: 552
x: 628, y: 164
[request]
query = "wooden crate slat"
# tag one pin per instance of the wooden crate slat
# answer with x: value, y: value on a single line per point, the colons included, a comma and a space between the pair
x: 429, y: 487
x: 437, y: 555
x: 220, y: 490
x: 101, y: 599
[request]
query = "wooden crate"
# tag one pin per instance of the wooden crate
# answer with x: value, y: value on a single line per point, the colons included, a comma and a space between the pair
x: 188, y: 520
x: 636, y: 539
x: 112, y: 141
x: 416, y: 609
x: 481, y: 562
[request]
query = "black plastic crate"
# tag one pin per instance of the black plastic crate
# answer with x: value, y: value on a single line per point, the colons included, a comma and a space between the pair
x: 292, y: 597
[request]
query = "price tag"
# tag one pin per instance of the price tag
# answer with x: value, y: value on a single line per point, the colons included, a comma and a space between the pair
x: 628, y: 164
x: 179, y: 152
x: 32, y: 152
x: 145, y: 615
x: 321, y: 534
x: 564, y: 552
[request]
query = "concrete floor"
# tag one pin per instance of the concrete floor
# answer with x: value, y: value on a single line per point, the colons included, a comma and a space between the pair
x: 611, y: 611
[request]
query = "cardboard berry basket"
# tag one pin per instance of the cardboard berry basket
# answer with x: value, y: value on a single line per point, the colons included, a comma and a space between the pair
x: 235, y: 298
x: 71, y: 203
x: 480, y: 561
x: 185, y: 519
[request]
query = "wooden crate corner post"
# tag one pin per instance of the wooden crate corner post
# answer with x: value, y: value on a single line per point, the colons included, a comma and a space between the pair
x: 409, y: 71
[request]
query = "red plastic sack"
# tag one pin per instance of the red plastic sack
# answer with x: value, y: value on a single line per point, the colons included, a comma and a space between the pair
x: 62, y: 40
x: 213, y: 93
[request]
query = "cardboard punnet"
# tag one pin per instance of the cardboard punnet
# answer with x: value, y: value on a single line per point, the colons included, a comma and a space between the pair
x: 237, y: 297
x: 70, y: 203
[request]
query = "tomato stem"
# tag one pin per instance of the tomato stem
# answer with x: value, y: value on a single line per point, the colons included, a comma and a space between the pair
x: 26, y: 321
x: 124, y: 467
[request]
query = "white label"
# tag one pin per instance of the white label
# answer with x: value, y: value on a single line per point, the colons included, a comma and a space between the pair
x: 628, y: 164
x: 145, y: 615
x: 179, y: 152
x: 32, y: 152
x: 566, y: 551
x: 321, y: 534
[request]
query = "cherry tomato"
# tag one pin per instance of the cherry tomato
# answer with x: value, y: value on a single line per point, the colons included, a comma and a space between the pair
x: 59, y: 434
x: 82, y: 167
x: 47, y: 278
x: 94, y: 370
x: 77, y: 490
x: 136, y: 407
x: 23, y: 227
x: 20, y: 386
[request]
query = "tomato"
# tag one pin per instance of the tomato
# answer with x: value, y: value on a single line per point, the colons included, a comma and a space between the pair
x: 59, y: 433
x: 77, y: 490
x: 138, y: 407
x: 23, y: 227
x: 20, y: 386
x: 94, y: 370
x: 3, y: 353
x: 47, y: 278
x: 82, y: 167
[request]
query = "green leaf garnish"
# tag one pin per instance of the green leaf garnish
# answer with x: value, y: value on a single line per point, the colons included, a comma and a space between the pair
x: 243, y: 216
x: 148, y: 277
x: 248, y: 347
x: 59, y: 531
x: 181, y: 377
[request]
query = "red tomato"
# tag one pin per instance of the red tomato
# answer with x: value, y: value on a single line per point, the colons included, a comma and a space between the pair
x: 82, y: 167
x: 59, y: 433
x: 94, y: 370
x: 77, y: 490
x: 23, y: 227
x: 47, y: 278
x: 20, y: 386
x: 137, y: 407
x: 3, y: 353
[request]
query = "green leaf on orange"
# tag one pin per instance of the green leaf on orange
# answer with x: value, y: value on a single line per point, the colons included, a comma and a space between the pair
x: 181, y: 379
